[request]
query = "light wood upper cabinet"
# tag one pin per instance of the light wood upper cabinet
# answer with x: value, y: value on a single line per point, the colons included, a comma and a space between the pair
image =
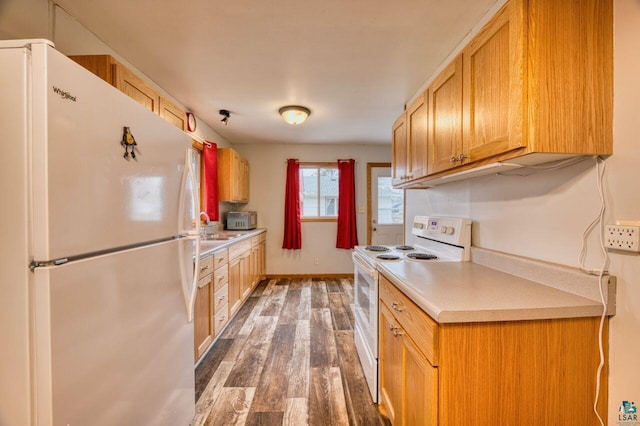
x: 493, y: 86
x: 417, y: 138
x: 534, y: 85
x: 233, y: 176
x: 135, y: 87
x: 128, y: 82
x: 173, y: 114
x: 445, y: 118
x: 409, y: 143
x: 399, y: 151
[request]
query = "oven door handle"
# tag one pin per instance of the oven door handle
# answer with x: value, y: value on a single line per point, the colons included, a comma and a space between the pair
x: 362, y: 265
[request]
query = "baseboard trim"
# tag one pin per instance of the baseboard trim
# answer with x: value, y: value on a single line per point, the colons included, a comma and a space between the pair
x: 275, y: 276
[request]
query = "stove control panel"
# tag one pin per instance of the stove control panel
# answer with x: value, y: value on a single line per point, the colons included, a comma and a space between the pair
x: 448, y: 230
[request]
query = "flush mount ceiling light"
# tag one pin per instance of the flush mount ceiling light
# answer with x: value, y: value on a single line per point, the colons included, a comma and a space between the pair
x: 294, y: 114
x: 225, y: 114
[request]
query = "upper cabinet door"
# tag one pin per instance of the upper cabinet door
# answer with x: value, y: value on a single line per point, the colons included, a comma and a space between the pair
x: 399, y: 151
x: 445, y: 118
x: 135, y: 87
x: 417, y: 138
x: 493, y: 86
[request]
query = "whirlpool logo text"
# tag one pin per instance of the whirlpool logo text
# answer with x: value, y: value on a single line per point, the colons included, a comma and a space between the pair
x: 63, y: 94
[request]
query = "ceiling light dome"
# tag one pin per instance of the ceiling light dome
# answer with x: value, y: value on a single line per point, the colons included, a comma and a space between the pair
x: 294, y: 114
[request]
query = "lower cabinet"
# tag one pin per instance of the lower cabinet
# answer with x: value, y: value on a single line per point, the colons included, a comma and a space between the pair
x: 488, y: 373
x: 226, y: 280
x: 408, y: 382
x: 203, y: 331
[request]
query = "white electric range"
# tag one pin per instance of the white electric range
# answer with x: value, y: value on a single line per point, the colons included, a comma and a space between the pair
x: 441, y: 239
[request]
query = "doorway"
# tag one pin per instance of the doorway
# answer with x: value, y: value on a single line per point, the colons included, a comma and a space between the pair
x: 385, y: 207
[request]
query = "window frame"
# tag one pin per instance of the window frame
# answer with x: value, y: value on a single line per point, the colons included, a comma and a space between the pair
x: 318, y: 165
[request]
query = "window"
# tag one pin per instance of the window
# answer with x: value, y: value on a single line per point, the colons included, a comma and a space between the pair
x: 390, y: 203
x: 319, y: 191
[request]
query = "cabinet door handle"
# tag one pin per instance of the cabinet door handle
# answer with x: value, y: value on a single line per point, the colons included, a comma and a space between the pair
x: 204, y: 268
x: 397, y: 332
x: 462, y: 157
x: 454, y: 159
x: 396, y: 307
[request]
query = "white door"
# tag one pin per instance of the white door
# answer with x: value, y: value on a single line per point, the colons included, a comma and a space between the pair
x: 387, y: 209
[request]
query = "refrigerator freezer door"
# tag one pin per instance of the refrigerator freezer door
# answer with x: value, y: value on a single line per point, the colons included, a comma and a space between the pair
x: 86, y: 196
x: 113, y: 342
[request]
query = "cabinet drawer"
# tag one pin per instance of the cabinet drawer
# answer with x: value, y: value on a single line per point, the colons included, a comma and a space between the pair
x: 221, y: 299
x: 220, y: 258
x: 221, y: 319
x: 237, y: 249
x: 263, y: 237
x: 221, y: 277
x: 255, y: 240
x: 206, y: 267
x: 418, y: 325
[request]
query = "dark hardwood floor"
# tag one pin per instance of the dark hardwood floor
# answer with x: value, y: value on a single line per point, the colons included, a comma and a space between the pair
x: 287, y: 358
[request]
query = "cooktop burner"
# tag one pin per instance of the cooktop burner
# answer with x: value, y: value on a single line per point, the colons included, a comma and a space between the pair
x: 404, y: 248
x: 376, y: 248
x: 421, y: 256
x: 387, y: 257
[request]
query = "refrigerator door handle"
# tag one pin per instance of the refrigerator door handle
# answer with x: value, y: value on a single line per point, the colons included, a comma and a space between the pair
x: 190, y: 281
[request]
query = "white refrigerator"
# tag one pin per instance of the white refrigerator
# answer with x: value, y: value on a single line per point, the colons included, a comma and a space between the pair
x: 97, y: 282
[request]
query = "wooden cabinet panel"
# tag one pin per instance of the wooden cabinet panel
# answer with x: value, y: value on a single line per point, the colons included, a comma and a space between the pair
x: 417, y: 138
x: 420, y: 386
x: 135, y: 87
x: 408, y: 382
x: 399, y: 151
x: 493, y: 86
x: 172, y: 113
x: 203, y: 317
x: 420, y: 326
x: 233, y: 176
x: 206, y: 266
x: 128, y: 82
x: 234, y: 286
x: 390, y: 368
x: 570, y: 76
x: 245, y: 275
x: 221, y: 300
x: 445, y: 118
x: 533, y: 88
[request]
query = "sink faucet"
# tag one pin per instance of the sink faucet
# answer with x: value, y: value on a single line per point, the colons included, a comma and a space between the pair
x: 206, y: 217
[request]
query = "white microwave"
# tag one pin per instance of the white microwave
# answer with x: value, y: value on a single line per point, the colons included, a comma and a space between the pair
x: 242, y: 220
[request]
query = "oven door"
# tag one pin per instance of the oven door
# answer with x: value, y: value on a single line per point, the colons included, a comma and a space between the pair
x: 366, y: 302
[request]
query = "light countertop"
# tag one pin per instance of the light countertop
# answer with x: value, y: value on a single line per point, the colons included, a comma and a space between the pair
x: 452, y: 292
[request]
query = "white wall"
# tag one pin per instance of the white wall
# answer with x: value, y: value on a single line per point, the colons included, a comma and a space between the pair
x: 267, y: 186
x: 544, y: 216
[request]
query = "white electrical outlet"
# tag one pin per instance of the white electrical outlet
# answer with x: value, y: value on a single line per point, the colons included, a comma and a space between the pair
x: 622, y: 237
x: 316, y: 261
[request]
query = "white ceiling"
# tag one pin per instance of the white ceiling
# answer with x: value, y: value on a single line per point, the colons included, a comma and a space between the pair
x: 354, y: 63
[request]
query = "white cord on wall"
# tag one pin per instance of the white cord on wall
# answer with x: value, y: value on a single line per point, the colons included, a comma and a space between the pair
x: 598, y: 220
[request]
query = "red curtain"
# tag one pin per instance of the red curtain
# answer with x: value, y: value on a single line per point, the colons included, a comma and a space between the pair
x: 210, y: 180
x: 347, y: 230
x: 292, y: 233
